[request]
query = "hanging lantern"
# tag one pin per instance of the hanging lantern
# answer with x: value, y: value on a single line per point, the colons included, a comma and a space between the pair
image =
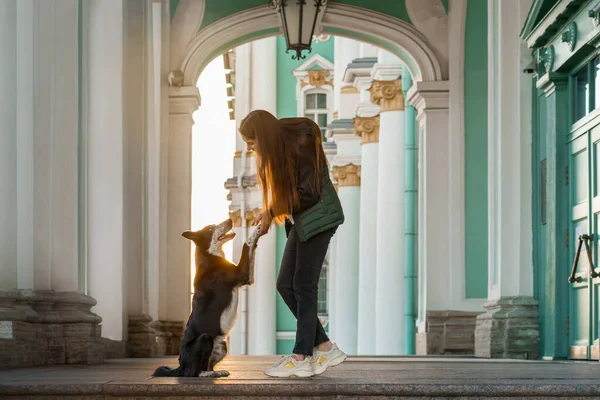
x: 299, y: 20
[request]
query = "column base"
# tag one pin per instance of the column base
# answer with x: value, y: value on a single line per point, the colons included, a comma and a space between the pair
x: 168, y: 336
x: 509, y: 329
x: 47, y: 327
x: 447, y: 332
x: 141, y: 338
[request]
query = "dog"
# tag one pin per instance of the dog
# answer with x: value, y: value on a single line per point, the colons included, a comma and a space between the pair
x: 214, y: 305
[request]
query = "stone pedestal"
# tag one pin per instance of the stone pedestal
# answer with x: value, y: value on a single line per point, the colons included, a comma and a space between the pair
x: 508, y: 329
x: 141, y: 339
x: 46, y: 327
x: 168, y: 337
x: 448, y: 332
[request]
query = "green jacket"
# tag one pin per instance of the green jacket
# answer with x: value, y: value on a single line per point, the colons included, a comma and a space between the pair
x: 325, y: 214
x: 318, y: 210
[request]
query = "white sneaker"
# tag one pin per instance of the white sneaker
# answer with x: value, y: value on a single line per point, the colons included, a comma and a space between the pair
x: 321, y: 360
x: 289, y: 366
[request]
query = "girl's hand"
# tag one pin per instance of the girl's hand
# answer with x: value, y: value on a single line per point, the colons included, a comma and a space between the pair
x: 265, y: 220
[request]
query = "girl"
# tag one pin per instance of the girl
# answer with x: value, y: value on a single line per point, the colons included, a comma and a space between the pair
x: 292, y: 170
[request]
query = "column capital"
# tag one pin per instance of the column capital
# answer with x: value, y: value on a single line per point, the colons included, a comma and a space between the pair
x: 367, y: 128
x: 183, y: 100
x: 429, y: 96
x: 388, y: 95
x: 347, y: 175
x: 250, y: 217
x: 549, y: 82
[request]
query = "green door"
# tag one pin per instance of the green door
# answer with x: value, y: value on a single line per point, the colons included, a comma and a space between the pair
x: 584, y: 207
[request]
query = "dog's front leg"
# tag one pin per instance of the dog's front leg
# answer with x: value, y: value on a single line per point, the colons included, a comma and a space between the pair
x: 246, y: 263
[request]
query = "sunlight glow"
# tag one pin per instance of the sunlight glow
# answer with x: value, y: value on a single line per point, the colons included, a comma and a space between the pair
x: 213, y: 147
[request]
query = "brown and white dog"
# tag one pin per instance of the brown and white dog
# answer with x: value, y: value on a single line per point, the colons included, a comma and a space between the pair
x: 215, y: 302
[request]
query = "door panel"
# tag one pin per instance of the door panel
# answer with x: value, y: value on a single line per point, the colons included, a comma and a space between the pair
x: 580, y: 293
x: 595, y: 214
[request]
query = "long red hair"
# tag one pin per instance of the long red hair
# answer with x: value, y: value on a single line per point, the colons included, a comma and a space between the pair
x: 277, y: 145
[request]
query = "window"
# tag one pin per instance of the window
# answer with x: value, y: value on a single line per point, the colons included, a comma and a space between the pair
x: 586, y: 89
x: 315, y: 108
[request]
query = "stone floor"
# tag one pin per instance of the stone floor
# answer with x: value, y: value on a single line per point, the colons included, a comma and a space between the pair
x: 359, y: 377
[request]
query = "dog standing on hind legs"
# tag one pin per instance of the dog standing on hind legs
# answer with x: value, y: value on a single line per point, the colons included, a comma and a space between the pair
x: 214, y: 306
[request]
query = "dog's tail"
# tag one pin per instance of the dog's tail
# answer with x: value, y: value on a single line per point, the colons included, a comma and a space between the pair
x: 166, y: 371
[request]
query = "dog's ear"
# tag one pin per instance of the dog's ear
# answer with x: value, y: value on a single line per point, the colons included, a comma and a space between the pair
x: 189, y: 235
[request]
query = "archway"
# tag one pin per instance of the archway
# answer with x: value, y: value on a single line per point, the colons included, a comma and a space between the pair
x: 429, y: 94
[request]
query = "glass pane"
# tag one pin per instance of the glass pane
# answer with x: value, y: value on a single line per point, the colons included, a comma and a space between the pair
x: 311, y: 101
x: 322, y: 120
x: 581, y: 97
x: 321, y: 101
x: 310, y: 116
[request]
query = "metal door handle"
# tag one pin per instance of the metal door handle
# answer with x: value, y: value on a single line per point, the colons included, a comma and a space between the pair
x: 583, y: 239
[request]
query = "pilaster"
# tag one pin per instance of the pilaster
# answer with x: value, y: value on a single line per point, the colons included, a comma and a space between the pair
x: 183, y: 102
x: 509, y: 328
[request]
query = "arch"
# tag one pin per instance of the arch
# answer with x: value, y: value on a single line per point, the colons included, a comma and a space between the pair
x: 392, y: 34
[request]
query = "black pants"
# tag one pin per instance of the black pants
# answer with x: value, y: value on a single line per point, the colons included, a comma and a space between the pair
x: 298, y: 283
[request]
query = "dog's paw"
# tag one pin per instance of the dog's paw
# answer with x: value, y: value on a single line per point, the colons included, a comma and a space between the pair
x: 214, y: 374
x: 253, y: 239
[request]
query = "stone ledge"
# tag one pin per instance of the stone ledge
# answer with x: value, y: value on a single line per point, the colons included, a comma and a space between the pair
x: 47, y: 327
x: 508, y: 329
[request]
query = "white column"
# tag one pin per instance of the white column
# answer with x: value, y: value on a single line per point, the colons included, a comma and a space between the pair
x: 153, y: 167
x: 183, y: 102
x: 510, y: 262
x: 56, y: 143
x: 138, y: 56
x: 345, y: 96
x: 387, y: 92
x: 262, y: 338
x: 347, y: 174
x: 264, y: 75
x: 261, y: 296
x: 368, y: 129
x: 105, y: 166
x: 431, y: 102
x: 25, y: 135
x: 8, y: 145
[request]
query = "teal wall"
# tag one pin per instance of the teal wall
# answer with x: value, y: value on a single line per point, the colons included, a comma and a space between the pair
x: 218, y: 9
x: 395, y: 8
x: 287, y: 106
x: 173, y: 6
x: 476, y: 209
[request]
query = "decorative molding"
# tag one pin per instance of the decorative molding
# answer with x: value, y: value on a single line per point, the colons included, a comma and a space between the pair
x: 429, y: 96
x: 367, y: 128
x: 318, y: 78
x: 239, y: 28
x: 323, y: 37
x: 348, y: 89
x: 250, y: 217
x: 335, y: 115
x: 569, y: 36
x: 595, y: 16
x: 347, y: 175
x: 388, y: 95
x: 546, y: 58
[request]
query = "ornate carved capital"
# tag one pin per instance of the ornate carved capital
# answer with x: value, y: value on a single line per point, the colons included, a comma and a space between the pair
x: 388, y: 95
x: 250, y: 216
x: 347, y: 175
x: 367, y: 128
x: 318, y: 78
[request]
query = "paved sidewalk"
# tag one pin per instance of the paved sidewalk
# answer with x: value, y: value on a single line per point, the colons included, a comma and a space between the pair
x: 358, y: 377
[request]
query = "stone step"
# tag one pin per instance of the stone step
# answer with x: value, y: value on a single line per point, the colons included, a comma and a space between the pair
x: 359, y: 377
